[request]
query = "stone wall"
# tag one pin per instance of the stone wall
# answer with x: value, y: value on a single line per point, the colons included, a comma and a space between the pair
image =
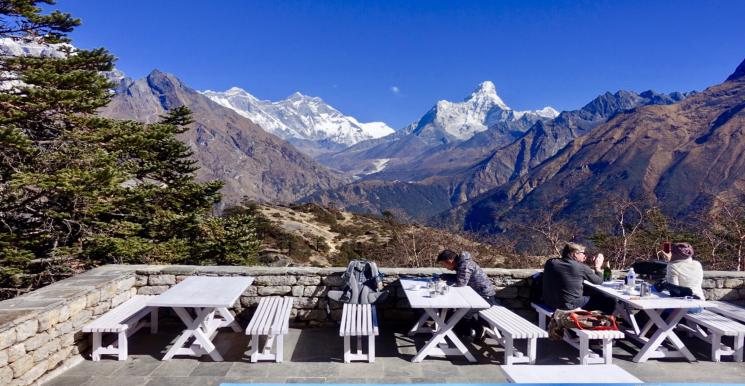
x: 309, y: 286
x: 40, y: 332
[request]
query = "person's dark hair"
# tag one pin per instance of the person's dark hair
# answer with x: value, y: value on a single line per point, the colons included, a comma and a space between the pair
x: 570, y: 248
x: 447, y: 255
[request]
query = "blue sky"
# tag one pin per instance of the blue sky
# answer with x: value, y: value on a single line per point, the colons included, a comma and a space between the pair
x: 392, y: 60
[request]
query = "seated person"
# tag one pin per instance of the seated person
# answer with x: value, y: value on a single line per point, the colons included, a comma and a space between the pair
x: 469, y: 273
x: 682, y: 270
x: 563, y: 280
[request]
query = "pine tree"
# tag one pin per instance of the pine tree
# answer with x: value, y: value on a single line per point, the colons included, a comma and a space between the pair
x: 77, y: 189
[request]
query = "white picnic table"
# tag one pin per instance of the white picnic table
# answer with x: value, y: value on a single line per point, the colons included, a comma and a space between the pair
x: 654, y: 305
x: 209, y: 298
x: 458, y: 300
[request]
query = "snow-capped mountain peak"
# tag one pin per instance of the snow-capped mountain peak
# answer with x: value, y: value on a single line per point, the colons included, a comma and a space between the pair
x: 482, y: 110
x: 486, y: 93
x: 547, y: 112
x: 236, y: 91
x: 300, y: 117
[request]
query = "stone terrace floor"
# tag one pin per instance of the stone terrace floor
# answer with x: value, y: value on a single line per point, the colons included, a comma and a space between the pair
x: 313, y: 355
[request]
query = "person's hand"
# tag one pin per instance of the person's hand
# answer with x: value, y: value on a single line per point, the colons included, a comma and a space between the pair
x: 599, y: 258
x: 666, y: 255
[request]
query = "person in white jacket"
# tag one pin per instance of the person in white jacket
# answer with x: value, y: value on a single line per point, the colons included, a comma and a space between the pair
x: 682, y: 270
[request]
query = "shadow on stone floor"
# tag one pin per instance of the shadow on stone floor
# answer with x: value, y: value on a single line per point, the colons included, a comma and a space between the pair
x: 314, y: 355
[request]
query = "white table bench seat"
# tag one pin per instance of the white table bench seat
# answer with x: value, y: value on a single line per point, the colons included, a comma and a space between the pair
x: 664, y: 312
x: 271, y: 320
x: 716, y: 327
x: 359, y: 320
x: 582, y: 342
x: 506, y: 326
x: 124, y: 320
x: 209, y: 298
x: 729, y: 310
x: 445, y: 311
x: 569, y: 374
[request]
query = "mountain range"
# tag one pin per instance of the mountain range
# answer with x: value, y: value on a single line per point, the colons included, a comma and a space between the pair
x: 309, y: 123
x: 251, y: 162
x: 679, y: 157
x: 473, y: 165
x: 456, y: 172
x: 481, y: 118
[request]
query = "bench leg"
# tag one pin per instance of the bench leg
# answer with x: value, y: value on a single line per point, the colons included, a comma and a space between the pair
x: 279, y: 351
x: 154, y: 320
x: 716, y: 343
x: 254, y: 348
x: 122, y: 344
x: 509, y: 350
x: 347, y: 352
x: 584, y: 350
x: 739, y: 343
x: 542, y: 320
x: 371, y: 349
x: 608, y: 351
x: 96, y: 354
x: 532, y: 343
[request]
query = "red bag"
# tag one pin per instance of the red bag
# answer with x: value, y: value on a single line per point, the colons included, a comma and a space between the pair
x: 592, y: 320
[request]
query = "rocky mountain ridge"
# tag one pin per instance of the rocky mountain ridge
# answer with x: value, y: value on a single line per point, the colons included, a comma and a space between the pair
x: 446, y: 123
x: 679, y: 157
x: 229, y: 147
x: 454, y: 173
x: 309, y: 123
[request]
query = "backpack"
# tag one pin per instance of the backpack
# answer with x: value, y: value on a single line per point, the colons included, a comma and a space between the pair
x: 593, y: 320
x: 363, y: 284
x: 650, y: 270
x: 580, y: 319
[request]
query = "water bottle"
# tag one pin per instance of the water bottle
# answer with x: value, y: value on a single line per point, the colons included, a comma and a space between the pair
x: 630, y: 278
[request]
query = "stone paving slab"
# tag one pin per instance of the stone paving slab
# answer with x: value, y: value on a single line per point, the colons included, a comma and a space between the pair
x: 314, y: 355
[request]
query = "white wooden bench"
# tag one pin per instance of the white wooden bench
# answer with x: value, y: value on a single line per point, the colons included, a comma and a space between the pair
x: 716, y: 326
x: 582, y: 342
x: 271, y: 320
x: 569, y: 374
x: 506, y: 326
x: 359, y: 320
x: 729, y: 310
x: 124, y: 320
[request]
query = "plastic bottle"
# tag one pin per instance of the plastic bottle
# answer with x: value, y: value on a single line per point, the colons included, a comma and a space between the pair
x: 630, y: 278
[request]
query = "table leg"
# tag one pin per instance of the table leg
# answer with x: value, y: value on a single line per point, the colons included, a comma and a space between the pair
x: 194, y: 327
x: 418, y: 325
x: 665, y: 330
x: 444, y: 330
x: 228, y: 319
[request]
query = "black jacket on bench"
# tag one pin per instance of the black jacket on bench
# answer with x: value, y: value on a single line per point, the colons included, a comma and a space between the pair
x: 563, y: 281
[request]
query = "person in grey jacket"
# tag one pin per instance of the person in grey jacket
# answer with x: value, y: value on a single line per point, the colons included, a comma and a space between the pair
x: 469, y: 273
x: 563, y: 282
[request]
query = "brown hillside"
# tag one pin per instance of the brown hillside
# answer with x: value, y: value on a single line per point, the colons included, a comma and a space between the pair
x: 678, y: 157
x: 251, y: 162
x: 313, y: 235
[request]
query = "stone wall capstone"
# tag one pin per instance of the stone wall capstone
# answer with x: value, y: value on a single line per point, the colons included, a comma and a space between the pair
x: 40, y: 332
